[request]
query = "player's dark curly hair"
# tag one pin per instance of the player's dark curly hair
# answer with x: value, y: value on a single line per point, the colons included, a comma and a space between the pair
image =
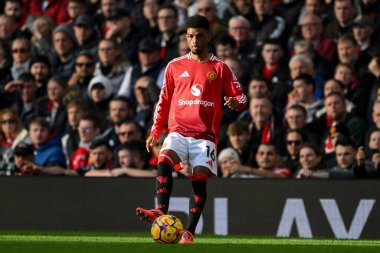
x: 198, y: 21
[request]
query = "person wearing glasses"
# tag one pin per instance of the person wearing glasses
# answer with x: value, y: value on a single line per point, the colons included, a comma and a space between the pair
x: 12, y: 130
x: 84, y: 71
x: 21, y: 55
x: 294, y: 140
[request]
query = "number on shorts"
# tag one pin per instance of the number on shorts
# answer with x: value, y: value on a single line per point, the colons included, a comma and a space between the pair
x: 212, y: 154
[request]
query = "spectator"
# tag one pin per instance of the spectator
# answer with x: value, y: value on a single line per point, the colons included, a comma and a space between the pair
x: 237, y: 8
x: 75, y: 8
x: 63, y: 58
x: 239, y: 30
x: 99, y: 95
x: 21, y: 55
x: 348, y: 52
x: 296, y: 117
x: 294, y: 139
x: 168, y: 39
x: 76, y: 109
x: 111, y: 63
x: 130, y: 130
x: 344, y: 12
x: 12, y: 132
x: 101, y: 159
x: 84, y: 71
x: 303, y: 89
x: 226, y: 158
x: 146, y: 94
x: 148, y: 25
x: 363, y: 31
x: 312, y: 31
x: 273, y: 68
x: 149, y: 65
x: 258, y: 86
x: 264, y: 123
x: 42, y: 31
x: 52, y: 108
x: 86, y: 34
x: 336, y: 113
x: 5, y: 63
x: 88, y: 130
x: 8, y: 29
x: 16, y: 10
x: 301, y: 64
x: 120, y: 27
x: 48, y: 152
x: 28, y: 95
x: 120, y: 109
x: 265, y: 23
x: 23, y: 154
x: 310, y: 161
x: 225, y: 46
x: 240, y: 140
x: 333, y: 85
x: 40, y: 70
x: 354, y: 90
x: 376, y: 114
x: 321, y: 67
x: 107, y: 8
x: 132, y: 157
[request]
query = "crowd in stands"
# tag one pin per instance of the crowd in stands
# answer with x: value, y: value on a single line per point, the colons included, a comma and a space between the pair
x: 79, y: 80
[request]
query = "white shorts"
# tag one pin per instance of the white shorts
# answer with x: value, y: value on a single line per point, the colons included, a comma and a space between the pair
x: 199, y: 152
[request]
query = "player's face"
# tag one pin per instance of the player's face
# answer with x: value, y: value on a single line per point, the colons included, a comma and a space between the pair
x: 197, y: 40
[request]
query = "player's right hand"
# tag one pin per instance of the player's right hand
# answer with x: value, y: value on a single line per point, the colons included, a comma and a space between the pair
x: 150, y: 142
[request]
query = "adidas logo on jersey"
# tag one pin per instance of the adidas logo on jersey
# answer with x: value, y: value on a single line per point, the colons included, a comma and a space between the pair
x: 185, y: 74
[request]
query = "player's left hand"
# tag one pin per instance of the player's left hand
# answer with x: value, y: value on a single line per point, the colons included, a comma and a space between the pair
x: 230, y: 102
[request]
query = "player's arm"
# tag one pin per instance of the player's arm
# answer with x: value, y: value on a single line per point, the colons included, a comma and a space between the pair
x: 161, y: 112
x: 234, y: 96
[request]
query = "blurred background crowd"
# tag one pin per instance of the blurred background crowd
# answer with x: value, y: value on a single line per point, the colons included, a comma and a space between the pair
x: 79, y: 80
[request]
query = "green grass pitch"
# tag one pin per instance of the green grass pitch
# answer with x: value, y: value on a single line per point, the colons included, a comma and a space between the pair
x: 57, y: 242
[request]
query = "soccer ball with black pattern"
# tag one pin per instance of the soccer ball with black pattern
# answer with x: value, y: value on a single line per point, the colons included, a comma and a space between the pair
x: 167, y: 229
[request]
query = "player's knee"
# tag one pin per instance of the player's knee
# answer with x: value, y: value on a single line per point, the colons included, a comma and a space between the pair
x: 168, y: 158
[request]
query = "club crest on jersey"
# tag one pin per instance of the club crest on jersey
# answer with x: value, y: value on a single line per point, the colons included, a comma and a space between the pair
x: 196, y: 90
x: 211, y: 75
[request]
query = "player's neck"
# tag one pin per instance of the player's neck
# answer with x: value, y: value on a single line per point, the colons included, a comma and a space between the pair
x: 201, y: 58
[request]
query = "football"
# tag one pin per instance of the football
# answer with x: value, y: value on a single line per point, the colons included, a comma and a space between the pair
x: 167, y: 229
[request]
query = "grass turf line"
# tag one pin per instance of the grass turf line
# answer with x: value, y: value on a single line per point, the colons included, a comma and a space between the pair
x: 125, y: 242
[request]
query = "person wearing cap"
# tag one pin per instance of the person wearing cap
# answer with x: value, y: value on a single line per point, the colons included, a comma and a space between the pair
x: 86, y: 34
x: 225, y: 157
x: 63, y: 58
x: 22, y: 153
x: 99, y: 95
x: 363, y: 30
x: 40, y: 69
x: 149, y: 65
x: 120, y: 27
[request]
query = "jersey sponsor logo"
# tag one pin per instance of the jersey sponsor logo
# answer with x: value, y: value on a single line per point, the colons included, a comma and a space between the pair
x: 196, y: 90
x: 185, y: 74
x: 182, y: 102
x: 211, y: 75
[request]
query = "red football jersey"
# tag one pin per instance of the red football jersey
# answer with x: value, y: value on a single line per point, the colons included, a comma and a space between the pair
x: 192, y: 97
